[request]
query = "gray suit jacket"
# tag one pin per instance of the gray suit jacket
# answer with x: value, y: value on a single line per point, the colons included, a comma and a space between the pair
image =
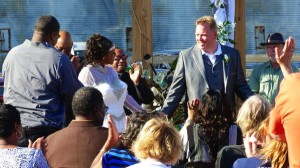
x: 189, y: 78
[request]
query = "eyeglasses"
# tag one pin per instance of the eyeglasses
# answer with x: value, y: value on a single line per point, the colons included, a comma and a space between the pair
x: 105, y: 108
x: 120, y: 58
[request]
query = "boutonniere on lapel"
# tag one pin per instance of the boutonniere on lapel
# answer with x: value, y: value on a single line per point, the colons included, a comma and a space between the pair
x: 226, y: 58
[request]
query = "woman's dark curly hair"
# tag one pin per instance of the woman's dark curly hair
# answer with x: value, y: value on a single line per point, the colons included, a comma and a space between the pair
x: 135, y: 123
x: 9, y: 116
x: 97, y: 47
x: 214, y: 119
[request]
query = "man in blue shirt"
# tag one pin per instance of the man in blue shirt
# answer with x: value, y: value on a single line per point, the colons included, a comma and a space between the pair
x: 40, y: 82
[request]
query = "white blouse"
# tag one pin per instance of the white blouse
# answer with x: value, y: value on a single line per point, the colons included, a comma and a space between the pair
x: 114, y: 92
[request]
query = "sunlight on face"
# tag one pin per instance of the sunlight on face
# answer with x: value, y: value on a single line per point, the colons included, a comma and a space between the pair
x: 271, y: 51
x: 205, y: 37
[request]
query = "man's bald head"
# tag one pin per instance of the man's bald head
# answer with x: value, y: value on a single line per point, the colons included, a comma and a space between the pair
x: 65, y: 42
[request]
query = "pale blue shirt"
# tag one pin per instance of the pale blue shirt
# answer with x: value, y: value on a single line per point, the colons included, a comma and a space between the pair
x: 40, y: 82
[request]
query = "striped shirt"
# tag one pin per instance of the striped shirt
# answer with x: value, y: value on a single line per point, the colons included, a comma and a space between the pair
x: 116, y: 158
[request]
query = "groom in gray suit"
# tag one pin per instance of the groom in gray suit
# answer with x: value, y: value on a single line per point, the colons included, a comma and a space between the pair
x: 207, y: 65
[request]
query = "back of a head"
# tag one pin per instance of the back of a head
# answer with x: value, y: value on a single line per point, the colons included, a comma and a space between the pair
x: 134, y: 125
x: 87, y: 101
x: 275, y: 152
x: 215, y: 118
x: 9, y: 116
x: 158, y: 140
x: 97, y: 46
x: 214, y: 103
x: 47, y: 25
x: 252, y: 113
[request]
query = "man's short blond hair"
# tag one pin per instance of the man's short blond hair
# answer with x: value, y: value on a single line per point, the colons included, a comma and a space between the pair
x: 158, y: 140
x: 209, y: 20
x: 252, y: 113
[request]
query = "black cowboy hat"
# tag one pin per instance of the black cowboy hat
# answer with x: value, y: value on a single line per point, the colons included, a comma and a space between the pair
x: 274, y: 38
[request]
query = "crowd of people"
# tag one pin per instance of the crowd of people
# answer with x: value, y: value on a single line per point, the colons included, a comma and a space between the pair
x: 62, y: 111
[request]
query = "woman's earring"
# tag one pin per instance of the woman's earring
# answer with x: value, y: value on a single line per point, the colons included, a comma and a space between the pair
x: 18, y: 132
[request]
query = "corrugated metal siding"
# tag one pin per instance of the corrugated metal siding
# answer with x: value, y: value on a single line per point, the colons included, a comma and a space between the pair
x: 276, y: 16
x: 173, y: 22
x: 82, y: 18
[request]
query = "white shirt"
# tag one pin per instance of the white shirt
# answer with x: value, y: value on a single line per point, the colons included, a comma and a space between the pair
x: 213, y: 57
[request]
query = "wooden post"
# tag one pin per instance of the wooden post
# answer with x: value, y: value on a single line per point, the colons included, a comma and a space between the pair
x: 240, y: 38
x: 141, y: 30
x: 240, y: 30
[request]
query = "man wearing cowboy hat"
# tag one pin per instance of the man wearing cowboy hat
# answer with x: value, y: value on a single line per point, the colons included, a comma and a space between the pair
x: 265, y: 78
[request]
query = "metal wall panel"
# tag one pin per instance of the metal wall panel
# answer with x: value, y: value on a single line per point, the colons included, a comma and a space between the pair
x: 81, y: 18
x: 174, y: 22
x: 276, y: 16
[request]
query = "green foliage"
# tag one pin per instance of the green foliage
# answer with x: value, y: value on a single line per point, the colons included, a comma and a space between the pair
x: 225, y: 29
x: 178, y: 116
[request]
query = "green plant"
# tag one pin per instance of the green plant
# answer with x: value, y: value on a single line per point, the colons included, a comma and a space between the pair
x: 160, y: 92
x: 225, y: 27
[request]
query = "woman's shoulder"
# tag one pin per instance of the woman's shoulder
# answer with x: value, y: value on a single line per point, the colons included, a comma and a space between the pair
x: 19, y: 150
x: 23, y: 156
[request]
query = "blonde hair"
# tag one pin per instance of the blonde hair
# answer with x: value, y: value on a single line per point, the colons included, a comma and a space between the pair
x: 274, y: 151
x: 209, y: 20
x: 252, y: 112
x: 158, y: 140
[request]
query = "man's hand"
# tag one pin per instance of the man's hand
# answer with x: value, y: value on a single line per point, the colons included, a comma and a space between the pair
x: 284, y: 57
x: 135, y: 76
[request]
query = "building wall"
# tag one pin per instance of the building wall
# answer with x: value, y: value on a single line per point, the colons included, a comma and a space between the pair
x: 173, y: 20
x: 276, y: 16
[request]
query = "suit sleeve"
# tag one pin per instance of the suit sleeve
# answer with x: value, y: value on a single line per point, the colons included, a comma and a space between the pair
x: 242, y: 88
x: 177, y: 88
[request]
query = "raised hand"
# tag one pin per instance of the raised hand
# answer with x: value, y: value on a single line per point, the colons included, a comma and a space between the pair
x: 193, y: 108
x: 284, y: 56
x: 135, y: 76
x: 251, y: 144
x: 112, y: 139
